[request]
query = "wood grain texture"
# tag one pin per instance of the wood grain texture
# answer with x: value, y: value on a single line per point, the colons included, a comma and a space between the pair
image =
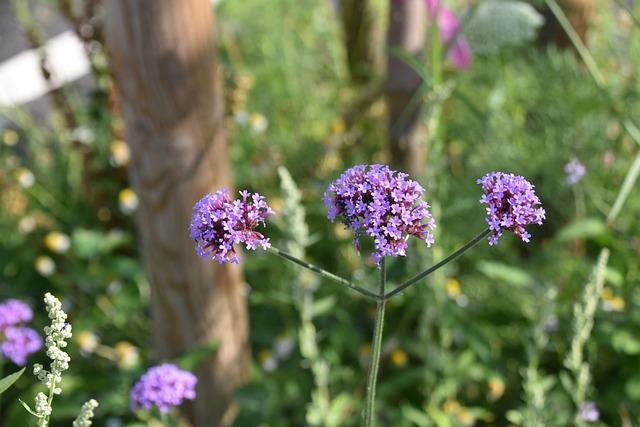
x: 163, y: 61
x: 406, y: 32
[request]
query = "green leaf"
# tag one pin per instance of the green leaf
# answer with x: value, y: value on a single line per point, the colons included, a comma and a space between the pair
x: 8, y: 381
x: 88, y: 243
x: 28, y: 408
x: 632, y: 387
x: 582, y: 229
x: 625, y: 342
x: 505, y: 273
x: 192, y: 358
x: 323, y: 306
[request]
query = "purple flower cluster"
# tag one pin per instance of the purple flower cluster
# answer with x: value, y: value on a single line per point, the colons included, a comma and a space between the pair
x: 163, y: 386
x: 16, y: 341
x: 218, y: 223
x: 383, y: 204
x: 575, y: 171
x: 511, y: 204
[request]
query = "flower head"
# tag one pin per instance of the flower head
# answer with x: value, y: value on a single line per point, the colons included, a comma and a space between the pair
x: 511, y: 204
x: 163, y: 386
x: 575, y: 171
x: 19, y: 342
x: 218, y: 223
x: 14, y: 312
x: 386, y: 205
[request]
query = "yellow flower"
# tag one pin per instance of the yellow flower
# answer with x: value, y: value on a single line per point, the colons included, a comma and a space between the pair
x: 496, y: 388
x: 465, y: 417
x: 45, y: 265
x: 57, y: 242
x: 451, y: 406
x: 127, y: 355
x: 399, y: 357
x: 87, y: 341
x: 614, y: 304
x: 607, y: 293
x: 10, y: 137
x: 263, y: 355
x: 258, y: 122
x: 128, y: 200
x: 24, y: 177
x: 338, y: 126
x: 120, y: 153
x: 453, y: 288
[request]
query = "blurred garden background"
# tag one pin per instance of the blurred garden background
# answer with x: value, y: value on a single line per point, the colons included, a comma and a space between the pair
x: 116, y: 116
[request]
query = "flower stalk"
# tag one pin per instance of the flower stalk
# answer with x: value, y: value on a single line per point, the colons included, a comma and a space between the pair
x: 376, y: 346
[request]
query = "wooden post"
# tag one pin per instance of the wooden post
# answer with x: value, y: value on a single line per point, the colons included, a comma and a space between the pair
x: 165, y: 70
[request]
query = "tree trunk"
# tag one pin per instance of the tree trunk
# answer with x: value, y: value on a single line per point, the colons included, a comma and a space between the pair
x: 407, y: 32
x: 579, y: 13
x: 164, y: 66
x: 361, y: 40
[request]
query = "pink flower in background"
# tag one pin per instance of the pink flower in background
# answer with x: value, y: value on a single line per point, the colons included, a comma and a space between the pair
x: 448, y: 26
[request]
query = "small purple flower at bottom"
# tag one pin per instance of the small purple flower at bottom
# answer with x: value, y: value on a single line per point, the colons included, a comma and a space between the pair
x: 14, y: 312
x: 164, y: 386
x: 19, y: 342
x: 218, y: 223
x: 589, y: 412
x: 575, y: 171
x: 511, y: 204
x: 374, y: 201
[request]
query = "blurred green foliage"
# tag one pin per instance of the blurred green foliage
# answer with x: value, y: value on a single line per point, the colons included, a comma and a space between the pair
x: 481, y: 342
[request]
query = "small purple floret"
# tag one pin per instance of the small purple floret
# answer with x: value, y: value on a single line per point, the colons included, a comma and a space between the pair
x: 374, y: 201
x: 19, y: 342
x: 511, y: 204
x: 218, y: 223
x: 164, y: 386
x: 575, y: 171
x: 589, y: 412
x: 13, y: 312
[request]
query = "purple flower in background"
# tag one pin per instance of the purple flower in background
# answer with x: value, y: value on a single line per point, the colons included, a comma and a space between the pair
x: 163, y: 386
x: 511, y: 204
x: 19, y: 342
x: 448, y: 26
x: 575, y: 171
x: 14, y: 312
x: 589, y: 412
x: 383, y: 204
x: 218, y: 223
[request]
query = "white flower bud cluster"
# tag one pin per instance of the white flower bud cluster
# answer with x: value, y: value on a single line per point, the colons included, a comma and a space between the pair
x: 56, y: 337
x: 86, y: 414
x: 42, y: 409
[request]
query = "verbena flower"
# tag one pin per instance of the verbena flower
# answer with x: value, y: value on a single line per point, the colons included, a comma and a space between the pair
x: 164, y: 387
x: 14, y: 312
x: 218, y: 223
x: 575, y: 171
x: 386, y: 205
x: 511, y: 204
x: 19, y: 342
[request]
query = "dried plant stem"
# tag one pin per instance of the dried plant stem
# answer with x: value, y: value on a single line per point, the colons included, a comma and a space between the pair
x: 376, y: 346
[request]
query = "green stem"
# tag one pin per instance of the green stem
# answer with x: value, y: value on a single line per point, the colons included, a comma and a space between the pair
x: 324, y: 273
x: 164, y: 419
x: 433, y: 268
x: 376, y: 347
